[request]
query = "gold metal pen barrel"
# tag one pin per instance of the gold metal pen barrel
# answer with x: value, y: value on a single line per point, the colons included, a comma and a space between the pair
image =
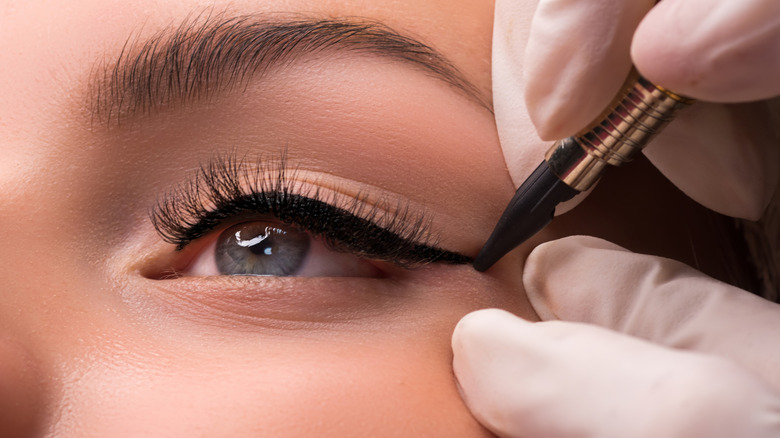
x: 636, y: 115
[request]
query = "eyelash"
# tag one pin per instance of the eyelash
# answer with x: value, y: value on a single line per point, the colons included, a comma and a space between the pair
x: 226, y: 187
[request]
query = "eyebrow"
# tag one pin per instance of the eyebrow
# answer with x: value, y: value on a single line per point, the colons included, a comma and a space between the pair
x: 203, y: 56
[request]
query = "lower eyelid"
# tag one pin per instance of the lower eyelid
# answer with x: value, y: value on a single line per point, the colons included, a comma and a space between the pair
x: 277, y: 302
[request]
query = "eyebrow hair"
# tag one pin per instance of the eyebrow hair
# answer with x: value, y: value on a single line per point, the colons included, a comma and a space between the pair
x: 216, y: 54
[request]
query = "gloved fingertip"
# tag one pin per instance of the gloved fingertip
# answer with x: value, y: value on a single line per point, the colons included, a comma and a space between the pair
x: 569, y: 243
x: 489, y: 348
x: 576, y: 60
x: 480, y: 346
x: 553, y: 267
x: 711, y: 50
x: 478, y: 328
x: 552, y: 255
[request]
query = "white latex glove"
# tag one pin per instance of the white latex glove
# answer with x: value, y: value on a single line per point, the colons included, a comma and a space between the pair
x: 689, y: 356
x: 556, y: 67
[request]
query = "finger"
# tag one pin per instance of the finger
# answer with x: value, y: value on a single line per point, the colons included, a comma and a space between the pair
x: 522, y: 147
x: 578, y: 56
x: 589, y: 280
x: 723, y: 156
x: 558, y: 379
x: 713, y: 50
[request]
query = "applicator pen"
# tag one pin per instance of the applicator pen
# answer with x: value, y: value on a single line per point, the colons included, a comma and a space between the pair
x: 639, y: 112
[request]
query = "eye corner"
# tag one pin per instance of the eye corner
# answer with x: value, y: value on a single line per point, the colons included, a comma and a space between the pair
x: 169, y: 260
x: 161, y: 266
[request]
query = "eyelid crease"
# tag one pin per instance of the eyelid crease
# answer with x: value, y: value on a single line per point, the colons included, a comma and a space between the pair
x: 227, y: 186
x: 335, y: 187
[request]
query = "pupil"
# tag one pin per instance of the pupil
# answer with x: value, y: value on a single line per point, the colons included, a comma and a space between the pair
x: 264, y: 247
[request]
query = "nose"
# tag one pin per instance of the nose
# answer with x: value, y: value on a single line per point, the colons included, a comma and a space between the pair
x: 21, y: 391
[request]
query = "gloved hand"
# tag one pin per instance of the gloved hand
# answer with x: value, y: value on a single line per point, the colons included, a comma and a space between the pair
x: 689, y: 356
x: 551, y: 81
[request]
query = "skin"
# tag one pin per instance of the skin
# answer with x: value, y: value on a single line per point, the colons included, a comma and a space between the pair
x: 91, y: 344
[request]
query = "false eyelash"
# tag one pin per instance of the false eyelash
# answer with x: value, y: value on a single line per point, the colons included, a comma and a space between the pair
x: 227, y: 187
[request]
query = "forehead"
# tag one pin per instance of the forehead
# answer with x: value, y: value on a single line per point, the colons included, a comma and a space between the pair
x: 54, y: 50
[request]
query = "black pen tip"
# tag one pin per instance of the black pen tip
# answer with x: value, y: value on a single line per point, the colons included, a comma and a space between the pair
x: 531, y: 208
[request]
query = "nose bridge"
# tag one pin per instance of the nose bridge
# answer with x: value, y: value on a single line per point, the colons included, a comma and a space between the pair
x: 23, y: 390
x: 42, y: 333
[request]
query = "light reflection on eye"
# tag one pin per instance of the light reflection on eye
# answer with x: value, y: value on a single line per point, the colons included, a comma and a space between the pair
x: 275, y: 249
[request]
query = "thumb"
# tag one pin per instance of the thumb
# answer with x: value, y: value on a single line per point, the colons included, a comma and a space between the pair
x: 589, y: 280
x: 559, y: 379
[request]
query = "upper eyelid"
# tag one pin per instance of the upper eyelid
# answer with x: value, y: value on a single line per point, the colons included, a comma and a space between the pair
x: 226, y: 177
x: 227, y: 186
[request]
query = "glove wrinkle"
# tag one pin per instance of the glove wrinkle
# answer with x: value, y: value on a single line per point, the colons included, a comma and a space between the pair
x: 701, y: 144
x: 589, y: 280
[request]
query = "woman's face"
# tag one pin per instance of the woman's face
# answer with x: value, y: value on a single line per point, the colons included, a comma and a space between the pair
x: 311, y: 122
x: 108, y: 330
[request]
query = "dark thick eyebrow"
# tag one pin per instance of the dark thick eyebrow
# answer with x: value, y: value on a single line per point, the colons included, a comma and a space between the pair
x: 203, y: 56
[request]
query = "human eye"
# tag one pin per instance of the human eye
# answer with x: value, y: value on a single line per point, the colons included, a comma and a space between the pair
x: 235, y: 217
x: 270, y: 247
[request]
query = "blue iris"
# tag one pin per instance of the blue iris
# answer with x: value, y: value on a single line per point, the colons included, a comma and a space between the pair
x: 261, y: 248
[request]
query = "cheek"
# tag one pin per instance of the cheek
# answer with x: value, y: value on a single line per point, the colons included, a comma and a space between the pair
x: 284, y: 387
x: 387, y: 375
